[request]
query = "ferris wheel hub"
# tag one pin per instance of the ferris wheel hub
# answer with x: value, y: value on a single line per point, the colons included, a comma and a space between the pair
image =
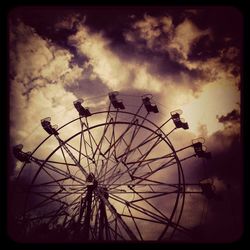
x: 91, y: 180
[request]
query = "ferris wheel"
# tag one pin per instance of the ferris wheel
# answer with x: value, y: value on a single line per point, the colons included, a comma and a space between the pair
x: 110, y: 175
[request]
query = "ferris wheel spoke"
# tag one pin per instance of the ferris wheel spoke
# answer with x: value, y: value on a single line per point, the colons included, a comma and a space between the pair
x: 146, y: 162
x: 48, y: 200
x: 138, y: 146
x: 60, y: 163
x: 91, y: 137
x: 154, y: 182
x: 150, y: 214
x: 135, y: 168
x: 80, y: 153
x: 107, y: 124
x: 149, y: 203
x: 163, y: 166
x: 156, y: 195
x: 59, y: 199
x: 52, y: 177
x: 86, y: 150
x: 101, y: 178
x: 45, y: 165
x: 131, y: 167
x: 137, y: 162
x: 75, y: 191
x: 107, y: 172
x: 113, y: 133
x: 151, y: 159
x: 113, y: 153
x: 128, y: 169
x: 61, y: 172
x: 119, y: 138
x: 109, y: 156
x: 116, y: 162
x: 80, y: 146
x: 48, y: 182
x: 62, y: 144
x: 158, y: 158
x: 158, y: 129
x: 65, y: 161
x: 99, y: 145
x: 92, y: 142
x: 136, y: 226
x: 134, y: 133
x: 114, y: 187
x: 100, y: 175
x: 143, y: 219
x: 116, y: 233
x: 148, y: 138
x: 118, y: 175
x: 142, y: 210
x: 143, y: 157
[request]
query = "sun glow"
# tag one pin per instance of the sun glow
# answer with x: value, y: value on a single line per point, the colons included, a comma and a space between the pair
x: 215, y: 99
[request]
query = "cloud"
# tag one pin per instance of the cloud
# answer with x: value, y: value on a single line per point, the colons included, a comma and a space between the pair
x: 115, y: 73
x: 233, y: 116
x: 186, y: 34
x: 150, y: 32
x: 160, y: 34
x: 36, y: 62
x: 108, y: 67
x: 69, y: 22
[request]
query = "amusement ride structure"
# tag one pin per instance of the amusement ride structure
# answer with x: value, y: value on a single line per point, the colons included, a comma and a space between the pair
x: 111, y: 175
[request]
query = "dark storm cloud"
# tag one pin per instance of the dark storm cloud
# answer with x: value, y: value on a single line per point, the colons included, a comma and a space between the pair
x: 233, y: 116
x: 223, y: 213
x: 96, y: 18
x: 226, y: 162
x: 53, y: 24
x: 159, y: 63
x: 165, y: 44
x: 88, y: 86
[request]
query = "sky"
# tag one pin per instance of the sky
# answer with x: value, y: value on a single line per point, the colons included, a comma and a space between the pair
x: 187, y: 58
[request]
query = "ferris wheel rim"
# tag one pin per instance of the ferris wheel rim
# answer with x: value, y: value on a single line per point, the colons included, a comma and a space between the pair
x: 180, y: 171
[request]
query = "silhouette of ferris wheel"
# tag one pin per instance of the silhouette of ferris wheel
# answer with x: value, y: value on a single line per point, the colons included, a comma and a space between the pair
x: 106, y: 176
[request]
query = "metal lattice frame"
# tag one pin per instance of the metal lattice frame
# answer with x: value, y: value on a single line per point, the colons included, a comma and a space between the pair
x: 123, y: 180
